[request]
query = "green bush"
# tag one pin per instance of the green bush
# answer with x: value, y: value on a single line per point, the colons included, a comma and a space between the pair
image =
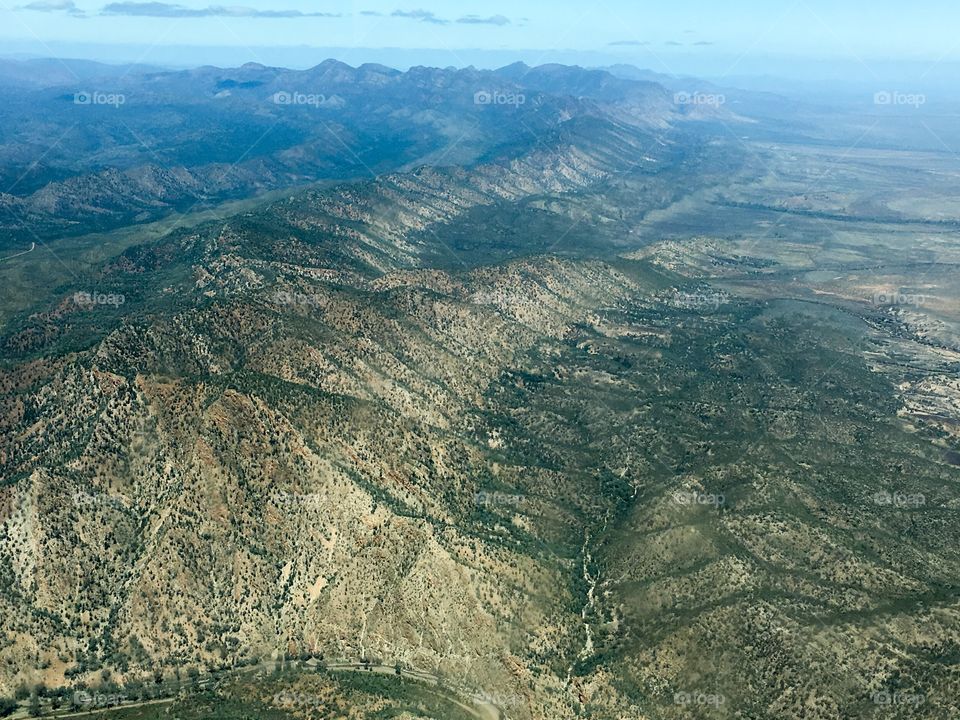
x: 7, y: 706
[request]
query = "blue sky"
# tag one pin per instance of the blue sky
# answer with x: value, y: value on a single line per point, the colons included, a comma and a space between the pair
x: 674, y: 36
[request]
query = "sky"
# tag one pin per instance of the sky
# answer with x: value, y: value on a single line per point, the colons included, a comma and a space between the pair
x: 706, y: 37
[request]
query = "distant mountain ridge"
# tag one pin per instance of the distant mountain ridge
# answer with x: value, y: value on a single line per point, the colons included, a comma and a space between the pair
x: 136, y: 142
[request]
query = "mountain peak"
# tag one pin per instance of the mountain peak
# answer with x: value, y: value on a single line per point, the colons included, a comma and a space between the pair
x: 514, y: 70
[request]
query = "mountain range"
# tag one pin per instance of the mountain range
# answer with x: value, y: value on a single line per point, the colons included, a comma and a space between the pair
x: 569, y: 391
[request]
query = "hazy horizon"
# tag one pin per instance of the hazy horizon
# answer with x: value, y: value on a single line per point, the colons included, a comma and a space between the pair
x: 807, y: 40
x: 782, y: 75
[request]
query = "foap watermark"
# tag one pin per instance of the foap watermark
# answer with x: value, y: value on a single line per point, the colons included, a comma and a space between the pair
x: 285, y: 499
x: 692, y: 497
x: 899, y: 499
x: 496, y: 97
x: 89, y: 300
x: 889, y: 297
x: 502, y: 298
x: 297, y: 299
x: 289, y: 698
x: 85, y: 97
x: 699, y: 698
x: 292, y: 98
x: 497, y: 499
x: 699, y: 98
x: 894, y: 98
x: 898, y: 698
x: 85, y: 499
x: 499, y: 700
x: 701, y: 302
x: 85, y: 698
